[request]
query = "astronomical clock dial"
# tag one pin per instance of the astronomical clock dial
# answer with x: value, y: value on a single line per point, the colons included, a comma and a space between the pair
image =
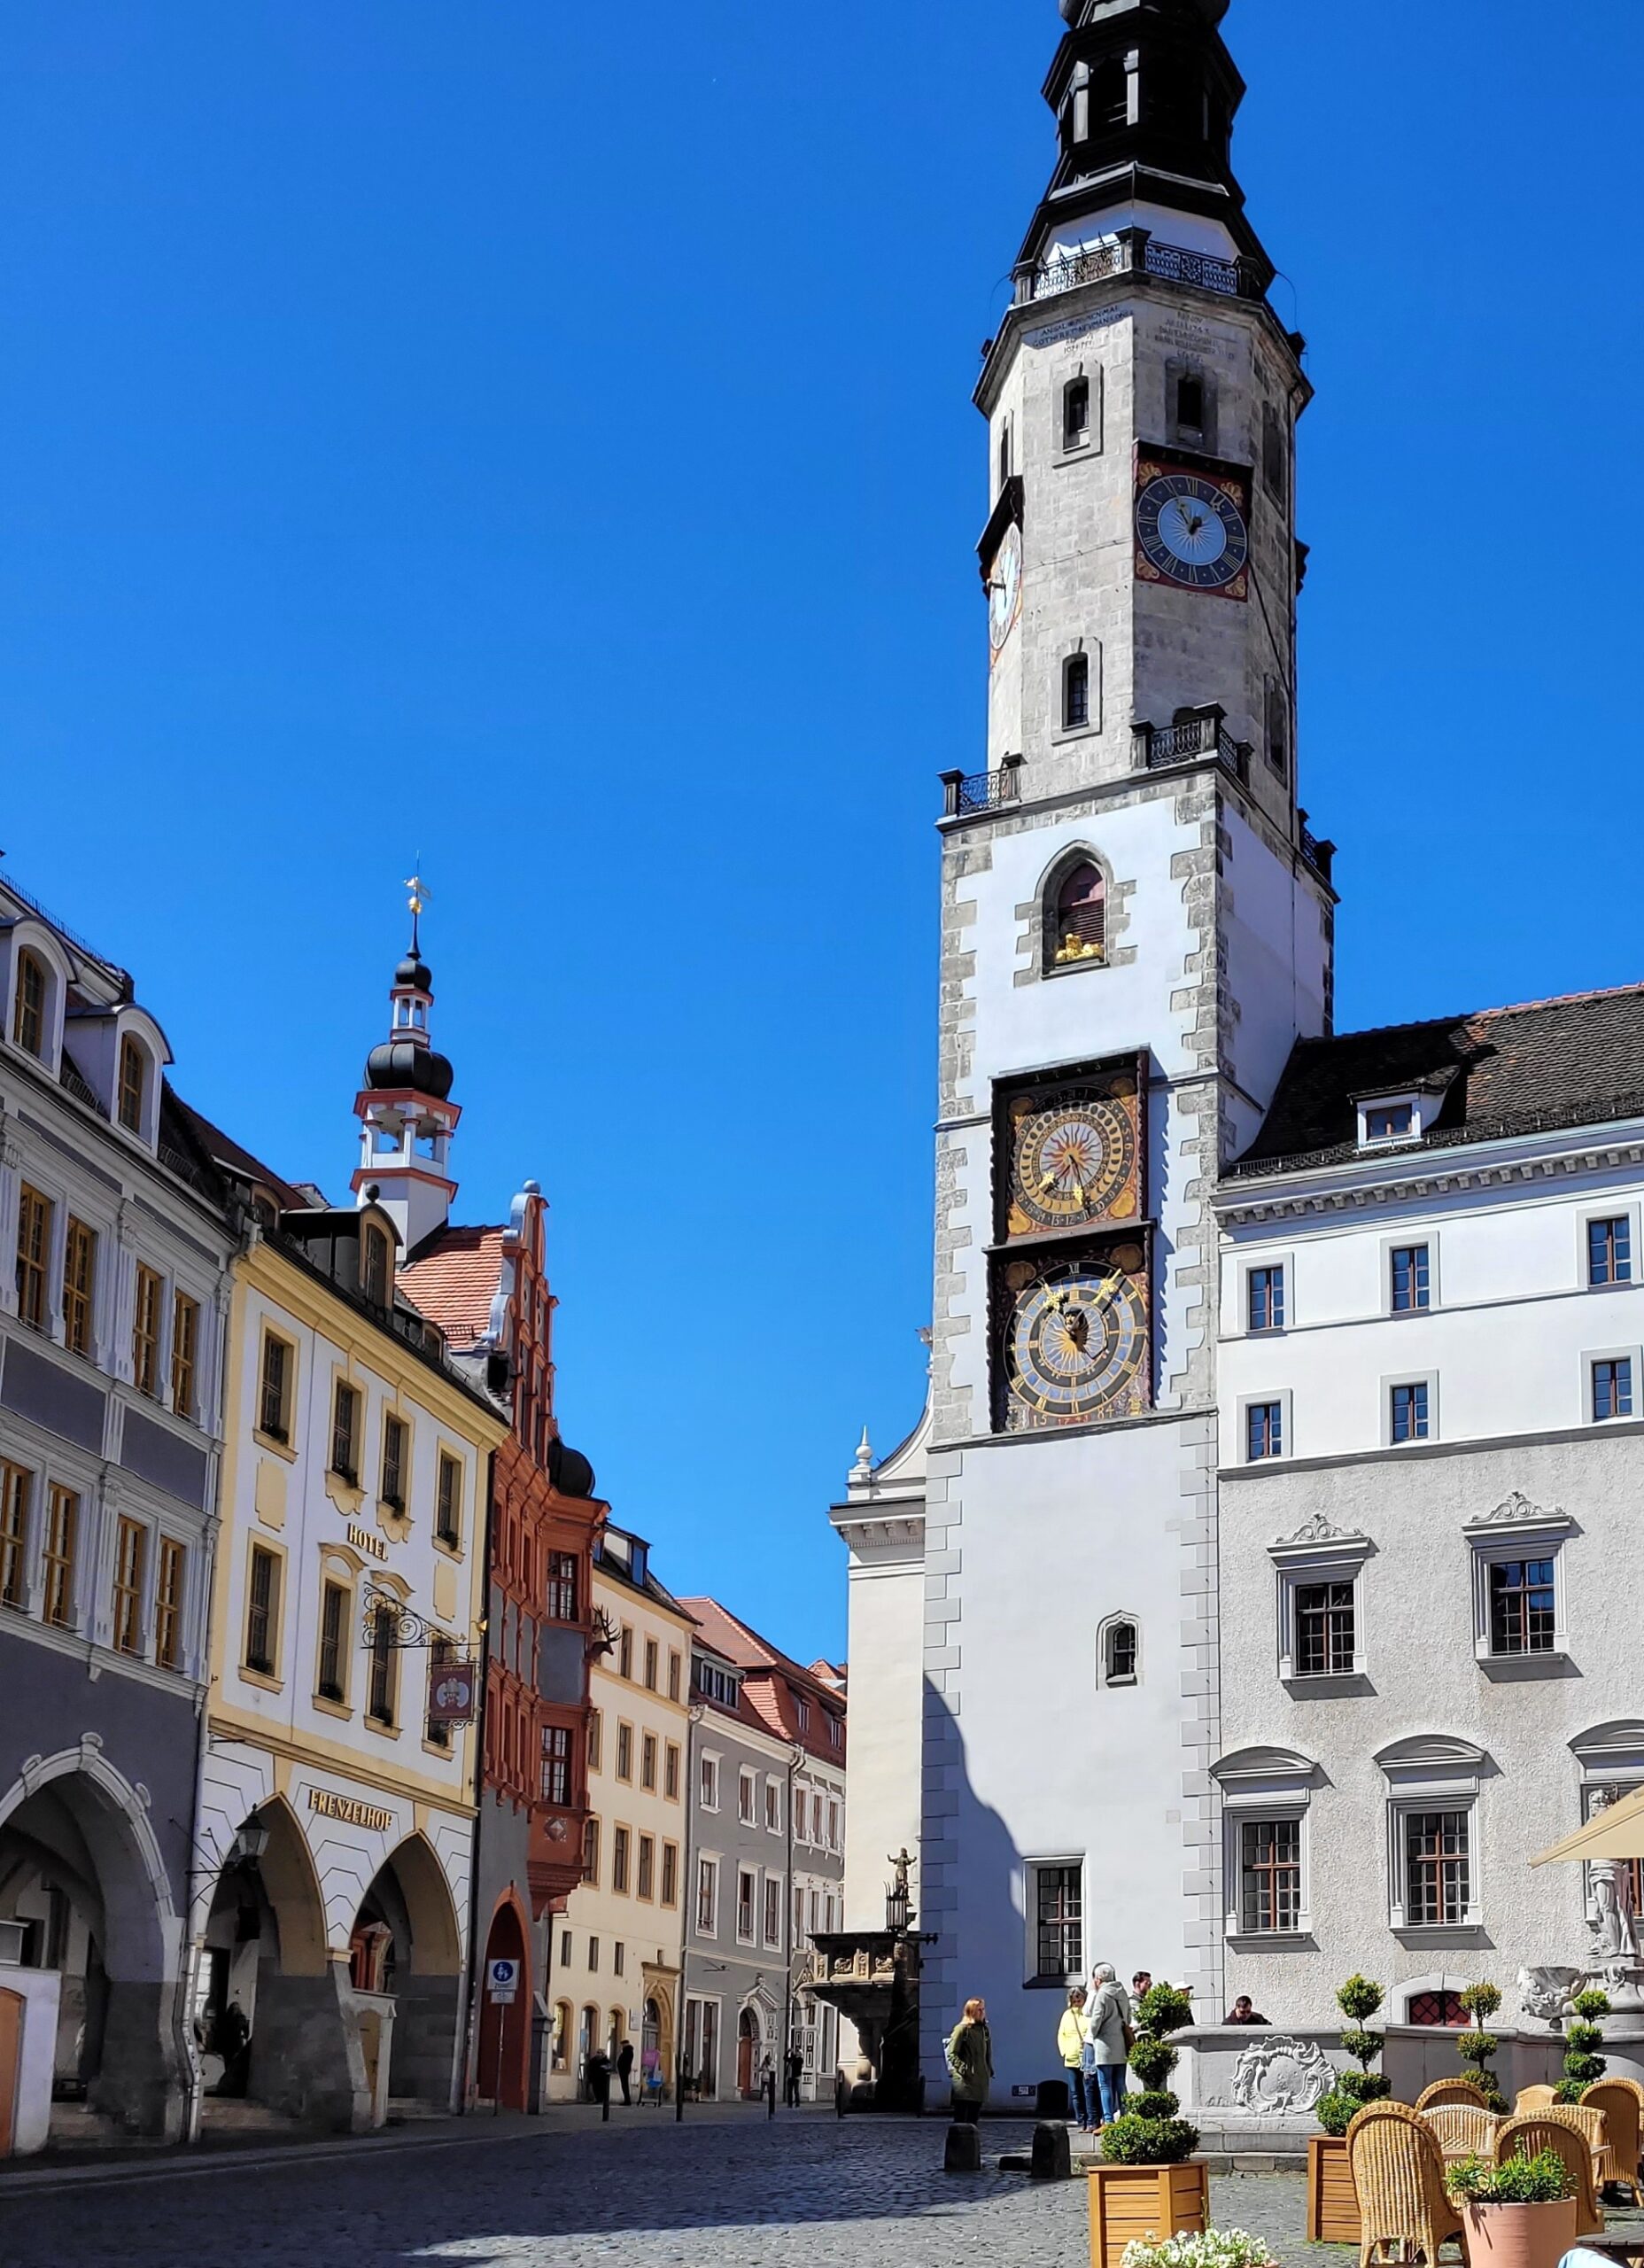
x: 1191, y: 529
x: 1005, y: 590
x: 1075, y: 1340
x: 1075, y: 1163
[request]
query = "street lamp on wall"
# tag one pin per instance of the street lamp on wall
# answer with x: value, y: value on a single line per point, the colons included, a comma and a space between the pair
x: 252, y: 1839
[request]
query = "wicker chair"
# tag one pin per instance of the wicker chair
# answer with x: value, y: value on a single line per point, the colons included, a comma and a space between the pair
x: 1533, y: 2131
x: 1458, y: 2090
x: 1529, y: 2098
x: 1398, y: 2170
x: 1589, y: 2117
x: 1461, y: 2130
x: 1621, y: 2101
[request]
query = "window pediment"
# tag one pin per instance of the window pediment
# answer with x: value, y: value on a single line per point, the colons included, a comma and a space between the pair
x: 1256, y: 1778
x: 1517, y: 1520
x: 1318, y: 1544
x: 1438, y: 1762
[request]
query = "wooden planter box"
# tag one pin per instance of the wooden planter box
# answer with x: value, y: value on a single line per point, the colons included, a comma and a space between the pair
x: 1332, y: 2201
x: 1139, y: 2200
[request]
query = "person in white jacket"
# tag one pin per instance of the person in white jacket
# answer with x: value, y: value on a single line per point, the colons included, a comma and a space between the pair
x: 1108, y: 2048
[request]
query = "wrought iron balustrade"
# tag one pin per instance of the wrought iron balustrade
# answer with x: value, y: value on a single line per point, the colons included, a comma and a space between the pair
x: 1188, y: 741
x: 1319, y: 854
x: 1134, y: 252
x: 968, y: 793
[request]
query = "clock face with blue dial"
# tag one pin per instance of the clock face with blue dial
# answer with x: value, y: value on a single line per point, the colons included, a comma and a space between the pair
x: 1191, y: 529
x: 1074, y: 1339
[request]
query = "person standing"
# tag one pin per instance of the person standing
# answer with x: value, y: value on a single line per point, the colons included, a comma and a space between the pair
x: 1107, y: 2024
x: 1070, y: 2040
x: 599, y: 2070
x: 969, y: 2063
x: 793, y: 2067
x: 1140, y: 1983
x: 624, y: 2068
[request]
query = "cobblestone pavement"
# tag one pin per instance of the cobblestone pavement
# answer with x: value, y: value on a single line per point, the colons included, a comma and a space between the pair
x: 808, y: 2190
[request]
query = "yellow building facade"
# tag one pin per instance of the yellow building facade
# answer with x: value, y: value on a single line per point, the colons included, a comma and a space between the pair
x: 330, y: 1913
x: 617, y: 1950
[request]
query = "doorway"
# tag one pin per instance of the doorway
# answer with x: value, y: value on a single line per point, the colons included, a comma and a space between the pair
x: 747, y: 2053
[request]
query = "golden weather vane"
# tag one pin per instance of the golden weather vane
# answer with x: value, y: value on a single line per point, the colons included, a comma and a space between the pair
x: 417, y: 901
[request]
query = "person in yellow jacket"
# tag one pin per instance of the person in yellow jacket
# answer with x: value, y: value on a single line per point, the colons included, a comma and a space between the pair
x: 1071, y: 2034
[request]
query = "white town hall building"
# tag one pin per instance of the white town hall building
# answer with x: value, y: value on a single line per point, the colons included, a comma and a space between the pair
x: 1155, y: 1657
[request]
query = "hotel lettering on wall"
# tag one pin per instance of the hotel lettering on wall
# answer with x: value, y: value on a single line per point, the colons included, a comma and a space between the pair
x: 362, y: 1539
x: 351, y: 1811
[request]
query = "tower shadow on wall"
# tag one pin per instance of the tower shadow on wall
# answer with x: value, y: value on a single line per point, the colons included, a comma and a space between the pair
x: 961, y: 1835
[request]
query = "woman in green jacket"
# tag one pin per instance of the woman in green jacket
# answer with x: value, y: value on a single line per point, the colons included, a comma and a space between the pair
x: 969, y: 2063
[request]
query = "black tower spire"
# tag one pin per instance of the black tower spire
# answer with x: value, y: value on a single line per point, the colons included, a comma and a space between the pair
x: 1145, y: 93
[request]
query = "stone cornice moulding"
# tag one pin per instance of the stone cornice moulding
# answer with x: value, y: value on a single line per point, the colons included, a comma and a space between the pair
x: 1361, y: 1185
x: 1517, y: 1518
x: 1318, y: 1542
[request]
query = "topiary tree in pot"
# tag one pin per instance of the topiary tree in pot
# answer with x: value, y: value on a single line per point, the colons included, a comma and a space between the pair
x: 1148, y: 2175
x: 1149, y: 2132
x: 1479, y: 2047
x: 1358, y: 2000
x: 1582, y: 2063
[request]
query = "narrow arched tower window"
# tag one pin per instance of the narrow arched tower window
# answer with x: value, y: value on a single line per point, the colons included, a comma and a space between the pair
x: 1119, y: 1654
x: 1076, y: 414
x: 1076, y: 693
x: 1076, y: 921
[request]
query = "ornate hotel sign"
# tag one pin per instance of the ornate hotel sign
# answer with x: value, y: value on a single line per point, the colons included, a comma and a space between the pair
x: 452, y: 1692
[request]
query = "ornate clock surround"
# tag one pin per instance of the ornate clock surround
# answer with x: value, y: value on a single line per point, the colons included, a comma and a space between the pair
x: 1072, y: 1269
x: 1224, y: 491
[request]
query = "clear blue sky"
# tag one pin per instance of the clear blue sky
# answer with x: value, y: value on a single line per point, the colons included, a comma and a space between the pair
x: 538, y: 438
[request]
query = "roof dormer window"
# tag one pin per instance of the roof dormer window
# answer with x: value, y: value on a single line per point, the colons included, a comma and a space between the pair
x: 28, y: 1011
x: 1396, y: 1116
x: 133, y: 1091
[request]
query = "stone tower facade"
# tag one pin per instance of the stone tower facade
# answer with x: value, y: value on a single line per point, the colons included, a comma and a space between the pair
x: 1136, y: 925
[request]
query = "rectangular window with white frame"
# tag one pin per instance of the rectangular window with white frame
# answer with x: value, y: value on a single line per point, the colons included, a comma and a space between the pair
x: 1410, y: 1275
x: 1433, y: 1873
x: 1269, y: 1877
x: 707, y: 1782
x: 1518, y: 1584
x: 707, y: 1897
x: 1056, y: 1906
x: 1409, y: 1411
x: 1266, y: 1793
x: 1608, y: 1239
x: 1612, y: 1384
x: 1321, y: 1610
x: 1264, y: 1427
x: 745, y: 1796
x: 1264, y: 1297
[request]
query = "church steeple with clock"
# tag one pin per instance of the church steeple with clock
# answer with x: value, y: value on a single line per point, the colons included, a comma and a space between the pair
x: 1137, y: 927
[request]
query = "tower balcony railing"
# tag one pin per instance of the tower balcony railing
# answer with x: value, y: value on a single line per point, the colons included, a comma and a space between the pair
x: 967, y: 794
x: 1319, y: 853
x: 1188, y: 741
x: 1136, y: 252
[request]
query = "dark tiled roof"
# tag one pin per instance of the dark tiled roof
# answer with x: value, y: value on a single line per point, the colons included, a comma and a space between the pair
x: 238, y: 1163
x: 1575, y: 1061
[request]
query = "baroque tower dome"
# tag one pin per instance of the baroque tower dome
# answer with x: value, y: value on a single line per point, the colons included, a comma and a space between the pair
x: 404, y: 1105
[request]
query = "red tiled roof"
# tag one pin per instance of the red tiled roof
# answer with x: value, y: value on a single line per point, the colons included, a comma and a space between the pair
x: 770, y: 1678
x: 453, y: 1279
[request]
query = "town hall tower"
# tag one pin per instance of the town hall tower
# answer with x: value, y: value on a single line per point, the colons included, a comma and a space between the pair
x: 1135, y: 929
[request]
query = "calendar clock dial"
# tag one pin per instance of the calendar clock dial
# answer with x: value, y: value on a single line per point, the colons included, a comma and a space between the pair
x: 1192, y: 529
x: 1005, y: 590
x: 1075, y: 1341
x: 1075, y: 1163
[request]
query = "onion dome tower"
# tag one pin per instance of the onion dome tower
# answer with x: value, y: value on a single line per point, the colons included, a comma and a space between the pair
x: 406, y: 1115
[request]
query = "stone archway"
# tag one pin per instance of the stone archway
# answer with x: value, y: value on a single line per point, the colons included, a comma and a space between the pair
x: 277, y: 2028
x: 407, y: 1946
x: 503, y: 2074
x: 80, y: 1862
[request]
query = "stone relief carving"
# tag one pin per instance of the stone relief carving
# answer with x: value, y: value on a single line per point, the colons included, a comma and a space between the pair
x: 1279, y: 2075
x: 1320, y: 1530
x: 1545, y: 1993
x: 1518, y: 1507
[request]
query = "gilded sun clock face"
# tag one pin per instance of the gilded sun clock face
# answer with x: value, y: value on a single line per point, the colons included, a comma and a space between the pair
x: 1005, y: 590
x: 1076, y: 1338
x: 1075, y: 1162
x: 1191, y: 529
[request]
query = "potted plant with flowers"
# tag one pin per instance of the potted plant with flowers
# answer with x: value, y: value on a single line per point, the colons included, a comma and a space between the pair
x: 1520, y: 2214
x: 1332, y: 2201
x: 1148, y: 2184
x: 1214, y: 2248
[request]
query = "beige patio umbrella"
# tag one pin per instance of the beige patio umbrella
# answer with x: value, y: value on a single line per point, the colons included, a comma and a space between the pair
x: 1617, y: 1832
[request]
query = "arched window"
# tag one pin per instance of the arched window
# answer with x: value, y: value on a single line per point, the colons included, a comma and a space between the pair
x: 562, y: 2035
x: 1075, y: 919
x: 375, y: 1271
x: 28, y: 1010
x: 1005, y: 451
x: 1076, y: 693
x: 132, y: 1083
x: 1437, y: 2008
x: 1120, y: 1651
x: 1075, y: 413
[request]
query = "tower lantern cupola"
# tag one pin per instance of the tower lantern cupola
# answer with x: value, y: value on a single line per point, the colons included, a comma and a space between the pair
x: 406, y: 1115
x: 1145, y: 93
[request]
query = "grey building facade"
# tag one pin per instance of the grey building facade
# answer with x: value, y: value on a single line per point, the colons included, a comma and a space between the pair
x: 113, y: 1303
x: 767, y: 1861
